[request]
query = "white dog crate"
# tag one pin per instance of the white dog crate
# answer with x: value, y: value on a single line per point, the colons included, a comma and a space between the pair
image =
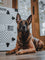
x: 8, y: 29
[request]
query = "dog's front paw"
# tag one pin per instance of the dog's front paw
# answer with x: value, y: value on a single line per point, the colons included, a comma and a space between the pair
x: 9, y: 53
x: 19, y: 53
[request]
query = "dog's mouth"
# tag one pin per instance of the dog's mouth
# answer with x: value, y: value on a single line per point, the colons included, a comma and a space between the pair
x: 22, y: 30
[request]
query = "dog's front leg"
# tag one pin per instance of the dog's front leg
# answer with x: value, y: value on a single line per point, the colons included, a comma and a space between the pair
x: 30, y: 50
x: 12, y: 51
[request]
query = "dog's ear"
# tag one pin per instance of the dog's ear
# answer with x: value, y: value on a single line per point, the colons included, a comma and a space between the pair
x: 18, y: 17
x: 29, y: 19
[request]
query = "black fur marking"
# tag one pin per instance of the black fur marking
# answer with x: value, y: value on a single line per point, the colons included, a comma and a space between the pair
x: 7, y: 44
x: 7, y: 12
x: 23, y: 40
x: 13, y: 39
x: 13, y: 18
x: 26, y: 23
x: 25, y: 36
x: 33, y: 0
x: 16, y: 10
x: 20, y: 24
x: 34, y: 42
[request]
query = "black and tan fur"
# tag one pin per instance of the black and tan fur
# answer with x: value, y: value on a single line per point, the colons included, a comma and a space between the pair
x: 25, y: 42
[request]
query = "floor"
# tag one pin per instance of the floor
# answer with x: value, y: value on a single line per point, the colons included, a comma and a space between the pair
x: 33, y: 56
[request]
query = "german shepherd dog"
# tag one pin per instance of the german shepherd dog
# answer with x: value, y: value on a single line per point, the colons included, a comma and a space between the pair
x: 25, y: 42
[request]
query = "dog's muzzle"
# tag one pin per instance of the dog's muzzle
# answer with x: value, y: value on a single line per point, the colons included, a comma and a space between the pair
x: 24, y: 28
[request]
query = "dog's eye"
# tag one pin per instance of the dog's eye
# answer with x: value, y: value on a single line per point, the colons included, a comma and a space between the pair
x: 26, y: 23
x: 21, y: 23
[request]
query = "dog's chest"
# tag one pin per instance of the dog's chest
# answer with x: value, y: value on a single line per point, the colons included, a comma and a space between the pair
x: 24, y: 38
x: 23, y: 41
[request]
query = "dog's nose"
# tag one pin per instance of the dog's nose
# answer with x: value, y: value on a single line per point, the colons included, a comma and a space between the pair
x: 23, y: 27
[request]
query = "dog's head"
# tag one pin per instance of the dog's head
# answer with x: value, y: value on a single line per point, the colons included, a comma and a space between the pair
x: 23, y: 25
